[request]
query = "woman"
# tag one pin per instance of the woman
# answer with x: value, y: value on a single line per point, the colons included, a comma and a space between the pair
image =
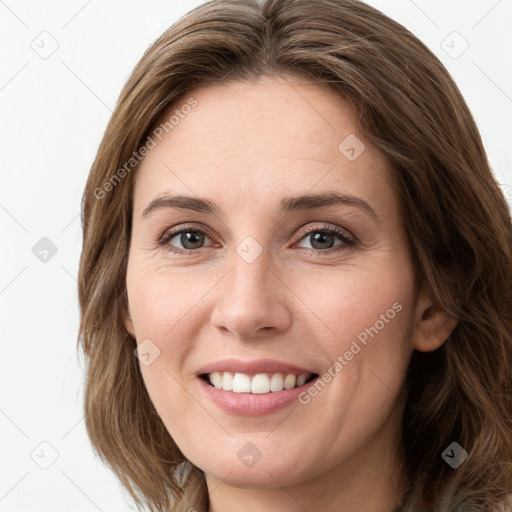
x: 296, y: 272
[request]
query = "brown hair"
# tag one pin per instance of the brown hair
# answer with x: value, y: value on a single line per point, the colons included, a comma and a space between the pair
x: 457, y: 221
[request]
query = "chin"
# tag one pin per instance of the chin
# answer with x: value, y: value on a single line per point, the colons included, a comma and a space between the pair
x: 270, y: 466
x: 263, y: 475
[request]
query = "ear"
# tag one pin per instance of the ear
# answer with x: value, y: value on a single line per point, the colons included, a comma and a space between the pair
x: 128, y: 323
x: 433, y: 326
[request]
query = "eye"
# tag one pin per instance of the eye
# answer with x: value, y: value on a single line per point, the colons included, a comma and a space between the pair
x: 323, y: 238
x: 190, y: 238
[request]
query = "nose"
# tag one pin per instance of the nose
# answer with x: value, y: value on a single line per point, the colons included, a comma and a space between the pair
x: 252, y: 303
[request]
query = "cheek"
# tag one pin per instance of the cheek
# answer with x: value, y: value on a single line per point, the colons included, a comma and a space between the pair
x: 162, y: 300
x: 365, y: 330
x: 347, y: 302
x: 159, y: 308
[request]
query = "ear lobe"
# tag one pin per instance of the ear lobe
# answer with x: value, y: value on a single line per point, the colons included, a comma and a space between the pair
x: 128, y: 323
x: 433, y: 326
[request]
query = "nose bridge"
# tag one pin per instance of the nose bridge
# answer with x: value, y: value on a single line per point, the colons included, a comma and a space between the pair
x: 250, y: 272
x: 251, y: 298
x: 252, y: 264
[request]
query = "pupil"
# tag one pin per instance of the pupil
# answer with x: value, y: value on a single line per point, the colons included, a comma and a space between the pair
x: 317, y: 237
x: 188, y: 237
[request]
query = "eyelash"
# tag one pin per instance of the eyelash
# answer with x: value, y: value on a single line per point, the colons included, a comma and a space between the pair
x: 349, y: 241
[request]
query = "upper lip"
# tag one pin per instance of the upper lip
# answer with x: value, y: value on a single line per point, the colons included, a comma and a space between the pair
x: 253, y: 367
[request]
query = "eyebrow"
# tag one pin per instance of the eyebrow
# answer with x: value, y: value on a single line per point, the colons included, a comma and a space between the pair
x: 287, y: 204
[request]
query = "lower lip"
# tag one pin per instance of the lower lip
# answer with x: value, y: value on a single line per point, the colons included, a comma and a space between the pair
x: 249, y: 404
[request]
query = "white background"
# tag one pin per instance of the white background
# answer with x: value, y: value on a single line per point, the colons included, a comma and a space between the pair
x: 54, y: 112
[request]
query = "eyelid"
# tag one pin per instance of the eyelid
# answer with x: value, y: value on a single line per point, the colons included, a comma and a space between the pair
x: 170, y: 233
x: 326, y: 227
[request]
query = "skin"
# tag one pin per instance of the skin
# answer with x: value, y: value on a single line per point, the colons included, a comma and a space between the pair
x: 245, y: 146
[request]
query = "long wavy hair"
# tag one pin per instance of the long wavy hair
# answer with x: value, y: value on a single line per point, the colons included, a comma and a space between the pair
x: 457, y: 221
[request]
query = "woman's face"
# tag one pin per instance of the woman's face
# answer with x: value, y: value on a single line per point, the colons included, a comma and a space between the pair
x: 269, y: 279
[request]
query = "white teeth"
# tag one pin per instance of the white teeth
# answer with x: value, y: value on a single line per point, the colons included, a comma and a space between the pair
x: 260, y: 383
x: 227, y: 381
x: 289, y: 381
x: 276, y: 382
x: 241, y: 383
x: 216, y: 379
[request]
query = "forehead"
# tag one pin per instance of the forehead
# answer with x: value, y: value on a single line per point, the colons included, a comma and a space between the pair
x: 245, y: 140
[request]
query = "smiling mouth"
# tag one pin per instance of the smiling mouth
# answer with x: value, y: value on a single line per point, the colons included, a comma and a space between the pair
x: 259, y: 383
